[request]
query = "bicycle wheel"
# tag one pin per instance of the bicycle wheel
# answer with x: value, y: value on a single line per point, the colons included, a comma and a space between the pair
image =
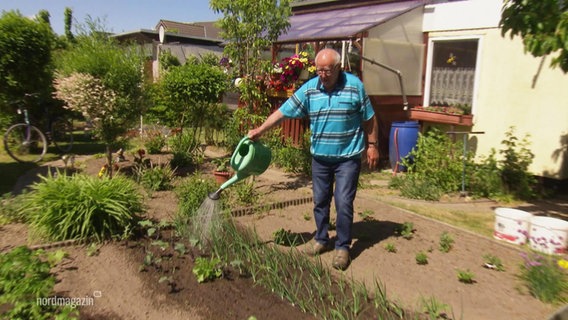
x: 62, y: 134
x: 25, y: 143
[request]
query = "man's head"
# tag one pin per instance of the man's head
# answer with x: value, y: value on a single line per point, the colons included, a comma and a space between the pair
x: 327, y: 67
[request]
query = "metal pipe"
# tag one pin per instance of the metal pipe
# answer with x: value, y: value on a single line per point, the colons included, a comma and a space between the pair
x: 395, y: 71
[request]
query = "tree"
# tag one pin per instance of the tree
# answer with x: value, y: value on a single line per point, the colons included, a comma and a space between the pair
x: 26, y: 49
x: 68, y: 23
x: 250, y: 27
x: 543, y: 26
x: 104, y: 82
x: 190, y: 90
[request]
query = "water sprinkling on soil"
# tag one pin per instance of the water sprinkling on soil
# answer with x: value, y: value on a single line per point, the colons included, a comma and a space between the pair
x: 206, y: 219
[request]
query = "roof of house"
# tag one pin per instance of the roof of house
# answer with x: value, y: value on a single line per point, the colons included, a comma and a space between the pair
x: 205, y: 29
x: 343, y: 23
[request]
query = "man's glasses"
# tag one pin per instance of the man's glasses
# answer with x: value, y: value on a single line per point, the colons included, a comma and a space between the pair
x: 326, y: 72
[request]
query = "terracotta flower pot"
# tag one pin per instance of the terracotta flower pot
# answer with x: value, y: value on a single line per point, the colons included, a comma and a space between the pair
x: 221, y: 176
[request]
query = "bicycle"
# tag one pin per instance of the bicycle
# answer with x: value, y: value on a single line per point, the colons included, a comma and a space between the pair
x: 25, y: 142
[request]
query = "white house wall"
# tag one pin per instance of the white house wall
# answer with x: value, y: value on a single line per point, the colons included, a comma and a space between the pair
x: 514, y: 89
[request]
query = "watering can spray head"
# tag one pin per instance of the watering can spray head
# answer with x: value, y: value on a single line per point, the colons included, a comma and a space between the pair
x: 215, y: 195
x: 250, y: 158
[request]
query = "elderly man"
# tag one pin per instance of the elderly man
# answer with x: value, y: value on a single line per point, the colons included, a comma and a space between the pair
x: 343, y: 125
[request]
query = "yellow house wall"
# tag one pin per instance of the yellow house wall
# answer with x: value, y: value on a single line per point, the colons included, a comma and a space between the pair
x: 514, y: 89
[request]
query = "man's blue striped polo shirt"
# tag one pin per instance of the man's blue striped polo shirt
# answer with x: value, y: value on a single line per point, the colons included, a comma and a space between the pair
x: 336, y: 118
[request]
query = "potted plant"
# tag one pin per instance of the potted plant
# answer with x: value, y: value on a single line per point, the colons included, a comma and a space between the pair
x: 222, y: 171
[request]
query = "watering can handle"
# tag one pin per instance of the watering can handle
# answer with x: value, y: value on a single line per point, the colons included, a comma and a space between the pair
x: 241, y: 143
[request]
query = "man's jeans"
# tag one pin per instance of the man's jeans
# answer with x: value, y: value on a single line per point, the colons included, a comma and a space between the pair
x: 345, y: 175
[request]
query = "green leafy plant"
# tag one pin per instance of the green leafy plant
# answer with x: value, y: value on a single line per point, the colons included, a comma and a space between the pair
x: 390, y: 247
x: 493, y: 262
x: 366, y: 215
x: 243, y: 193
x: 82, y: 207
x: 155, y: 177
x: 154, y: 141
x: 517, y: 158
x: 446, y: 242
x: 434, y: 167
x: 207, y: 269
x: 406, y: 230
x: 506, y: 176
x: 290, y: 157
x: 544, y: 278
x: 221, y: 164
x: 466, y: 276
x: 421, y: 258
x: 25, y: 279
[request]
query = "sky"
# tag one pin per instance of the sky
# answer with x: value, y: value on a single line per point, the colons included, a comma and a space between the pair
x: 116, y: 15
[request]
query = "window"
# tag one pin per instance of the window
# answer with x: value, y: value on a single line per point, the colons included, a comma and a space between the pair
x: 452, y: 72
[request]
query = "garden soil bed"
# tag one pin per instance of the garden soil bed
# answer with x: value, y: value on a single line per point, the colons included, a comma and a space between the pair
x: 124, y: 289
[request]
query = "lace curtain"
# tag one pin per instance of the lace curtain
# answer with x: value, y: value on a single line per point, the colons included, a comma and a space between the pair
x: 452, y: 86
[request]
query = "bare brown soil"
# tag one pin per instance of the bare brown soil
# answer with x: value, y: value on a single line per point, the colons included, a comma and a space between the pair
x: 124, y: 289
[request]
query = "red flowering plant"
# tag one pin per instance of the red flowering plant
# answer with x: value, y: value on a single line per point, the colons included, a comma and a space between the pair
x: 288, y: 72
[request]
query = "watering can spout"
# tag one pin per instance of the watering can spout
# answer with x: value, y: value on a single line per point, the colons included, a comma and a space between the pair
x: 250, y: 158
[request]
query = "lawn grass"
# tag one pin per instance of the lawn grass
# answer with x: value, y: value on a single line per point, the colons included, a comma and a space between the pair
x: 11, y: 170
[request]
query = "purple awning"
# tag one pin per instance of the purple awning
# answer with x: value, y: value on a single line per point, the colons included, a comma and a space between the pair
x: 343, y: 23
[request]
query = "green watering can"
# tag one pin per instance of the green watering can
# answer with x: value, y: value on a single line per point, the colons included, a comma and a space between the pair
x: 250, y: 158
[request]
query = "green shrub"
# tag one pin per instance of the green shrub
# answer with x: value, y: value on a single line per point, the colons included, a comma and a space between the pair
x: 154, y: 141
x: 80, y: 207
x: 25, y: 280
x: 191, y: 194
x: 186, y: 150
x: 517, y: 158
x: 289, y: 157
x: 434, y: 167
x: 507, y: 176
x: 485, y: 178
x: 242, y: 193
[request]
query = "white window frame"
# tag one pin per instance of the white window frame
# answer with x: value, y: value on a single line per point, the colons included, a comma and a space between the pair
x: 429, y: 58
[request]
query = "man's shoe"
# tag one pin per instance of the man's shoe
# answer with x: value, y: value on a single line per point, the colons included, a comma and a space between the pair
x: 315, y: 248
x: 341, y: 259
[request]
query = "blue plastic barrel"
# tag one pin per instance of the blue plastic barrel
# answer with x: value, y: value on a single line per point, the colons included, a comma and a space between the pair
x: 403, y: 138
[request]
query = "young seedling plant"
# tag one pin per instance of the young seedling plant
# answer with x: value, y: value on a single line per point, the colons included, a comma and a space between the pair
x: 466, y: 276
x: 207, y: 269
x: 446, y: 242
x: 406, y: 230
x: 421, y: 258
x: 390, y: 247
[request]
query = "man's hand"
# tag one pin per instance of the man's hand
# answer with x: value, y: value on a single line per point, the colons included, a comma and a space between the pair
x: 254, y: 134
x: 372, y: 156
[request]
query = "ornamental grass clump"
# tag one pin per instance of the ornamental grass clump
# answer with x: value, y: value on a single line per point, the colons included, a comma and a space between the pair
x: 545, y: 277
x: 82, y: 207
